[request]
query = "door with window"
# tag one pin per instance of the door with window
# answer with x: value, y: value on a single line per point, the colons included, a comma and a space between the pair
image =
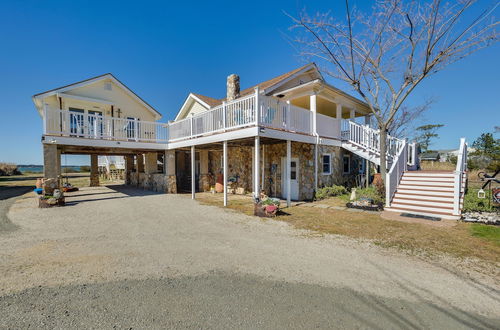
x: 294, y: 178
x: 132, y: 128
x: 95, y: 124
x: 76, y: 122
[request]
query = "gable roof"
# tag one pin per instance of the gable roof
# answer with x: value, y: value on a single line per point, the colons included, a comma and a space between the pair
x: 38, y: 97
x: 210, y: 102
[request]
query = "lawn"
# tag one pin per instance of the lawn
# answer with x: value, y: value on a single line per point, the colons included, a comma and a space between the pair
x: 459, y: 240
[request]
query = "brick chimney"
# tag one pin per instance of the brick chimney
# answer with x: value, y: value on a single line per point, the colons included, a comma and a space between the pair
x: 233, y: 87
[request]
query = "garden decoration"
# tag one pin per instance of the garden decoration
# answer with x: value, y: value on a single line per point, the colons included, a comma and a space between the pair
x: 266, y: 206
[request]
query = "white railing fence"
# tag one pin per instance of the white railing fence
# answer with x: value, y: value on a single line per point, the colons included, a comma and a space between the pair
x: 96, y: 126
x: 460, y: 176
x: 398, y: 167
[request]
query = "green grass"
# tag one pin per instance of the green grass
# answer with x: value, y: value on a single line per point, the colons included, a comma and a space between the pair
x: 486, y: 232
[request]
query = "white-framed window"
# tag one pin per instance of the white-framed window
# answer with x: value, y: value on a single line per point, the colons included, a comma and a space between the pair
x: 327, y: 164
x: 346, y: 164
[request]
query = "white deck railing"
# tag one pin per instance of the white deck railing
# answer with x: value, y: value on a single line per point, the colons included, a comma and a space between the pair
x: 460, y: 177
x: 398, y: 167
x: 95, y: 126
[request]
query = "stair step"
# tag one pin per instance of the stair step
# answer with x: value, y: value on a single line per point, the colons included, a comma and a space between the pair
x: 427, y: 183
x: 423, y: 202
x: 435, y: 209
x: 428, y: 192
x: 424, y: 197
x: 425, y: 188
x: 422, y: 178
x: 430, y: 214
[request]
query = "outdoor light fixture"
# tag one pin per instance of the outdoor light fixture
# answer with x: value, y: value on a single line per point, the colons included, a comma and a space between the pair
x: 481, y: 194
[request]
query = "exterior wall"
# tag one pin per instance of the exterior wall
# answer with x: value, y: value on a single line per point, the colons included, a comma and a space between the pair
x: 194, y: 109
x: 335, y: 177
x: 129, y: 106
x: 239, y: 165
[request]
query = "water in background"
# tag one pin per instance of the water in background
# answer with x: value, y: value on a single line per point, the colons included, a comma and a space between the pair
x: 39, y: 169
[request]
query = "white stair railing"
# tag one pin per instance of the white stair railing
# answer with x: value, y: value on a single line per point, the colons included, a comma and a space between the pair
x: 460, y: 176
x: 398, y: 167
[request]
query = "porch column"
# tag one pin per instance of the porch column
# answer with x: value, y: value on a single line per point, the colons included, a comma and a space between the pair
x: 169, y: 169
x: 352, y: 114
x: 58, y: 162
x: 151, y: 163
x: 94, y: 171
x: 224, y: 170
x: 193, y: 172
x: 315, y: 167
x: 140, y: 163
x: 50, y: 163
x: 288, y: 174
x: 129, y: 165
x: 312, y: 106
x: 204, y: 180
x: 339, y: 116
x: 256, y: 165
x: 368, y: 119
x: 367, y: 175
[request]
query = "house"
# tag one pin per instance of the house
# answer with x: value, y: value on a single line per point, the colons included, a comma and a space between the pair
x: 286, y: 136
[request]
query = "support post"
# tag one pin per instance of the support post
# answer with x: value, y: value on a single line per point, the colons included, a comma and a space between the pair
x: 263, y: 174
x: 315, y: 167
x: 224, y: 170
x: 44, y: 118
x: 94, y: 171
x: 352, y: 114
x: 339, y: 116
x: 288, y: 173
x: 256, y: 187
x: 367, y: 175
x: 224, y: 124
x: 312, y: 106
x: 288, y: 114
x: 50, y: 169
x: 193, y: 172
x: 257, y: 106
x: 140, y: 163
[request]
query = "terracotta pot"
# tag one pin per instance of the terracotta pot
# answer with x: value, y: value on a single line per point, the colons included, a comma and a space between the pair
x: 219, y: 187
x: 377, y: 179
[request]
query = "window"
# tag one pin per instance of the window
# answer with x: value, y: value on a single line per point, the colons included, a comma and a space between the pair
x: 346, y: 162
x: 327, y: 164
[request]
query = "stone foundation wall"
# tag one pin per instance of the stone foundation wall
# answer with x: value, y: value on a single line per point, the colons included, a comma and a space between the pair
x: 336, y: 177
x: 239, y: 165
x: 156, y: 182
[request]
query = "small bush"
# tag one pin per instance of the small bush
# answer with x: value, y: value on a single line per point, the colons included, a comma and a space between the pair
x: 326, y: 192
x: 474, y: 204
x: 9, y: 169
x: 372, y: 193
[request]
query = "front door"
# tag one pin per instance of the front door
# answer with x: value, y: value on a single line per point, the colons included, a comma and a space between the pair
x: 76, y: 122
x: 95, y: 124
x: 294, y: 176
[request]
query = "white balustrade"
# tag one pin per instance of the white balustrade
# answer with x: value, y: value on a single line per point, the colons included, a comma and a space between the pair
x: 398, y: 167
x: 460, y: 176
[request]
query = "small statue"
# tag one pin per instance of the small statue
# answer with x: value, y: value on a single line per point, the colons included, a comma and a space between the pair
x: 353, y: 194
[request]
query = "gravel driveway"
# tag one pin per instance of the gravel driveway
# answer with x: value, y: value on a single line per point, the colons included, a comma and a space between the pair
x: 121, y: 257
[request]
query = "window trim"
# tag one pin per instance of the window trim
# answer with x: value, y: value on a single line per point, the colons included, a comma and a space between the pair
x: 343, y: 167
x: 329, y: 164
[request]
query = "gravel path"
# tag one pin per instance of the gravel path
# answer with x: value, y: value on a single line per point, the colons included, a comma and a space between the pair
x: 126, y: 258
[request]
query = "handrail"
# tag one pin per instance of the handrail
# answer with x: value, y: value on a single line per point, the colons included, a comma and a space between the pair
x: 460, y: 175
x: 398, y: 167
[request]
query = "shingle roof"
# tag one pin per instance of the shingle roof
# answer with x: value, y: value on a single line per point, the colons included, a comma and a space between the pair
x: 263, y: 85
x: 208, y: 100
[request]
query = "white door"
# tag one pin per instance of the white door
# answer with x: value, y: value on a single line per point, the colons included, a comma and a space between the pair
x: 294, y: 175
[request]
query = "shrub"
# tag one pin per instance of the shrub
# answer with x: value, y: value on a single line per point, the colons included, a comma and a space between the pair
x: 474, y: 204
x: 326, y: 192
x: 9, y: 169
x: 372, y: 193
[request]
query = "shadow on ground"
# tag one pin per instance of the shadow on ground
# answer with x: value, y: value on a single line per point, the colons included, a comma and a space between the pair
x: 115, y: 191
x: 220, y: 300
x: 8, y: 196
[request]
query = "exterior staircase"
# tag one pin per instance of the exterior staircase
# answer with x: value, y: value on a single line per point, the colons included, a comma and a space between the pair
x: 408, y: 190
x: 429, y: 193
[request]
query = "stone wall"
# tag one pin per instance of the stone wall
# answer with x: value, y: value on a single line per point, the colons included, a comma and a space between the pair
x: 239, y: 166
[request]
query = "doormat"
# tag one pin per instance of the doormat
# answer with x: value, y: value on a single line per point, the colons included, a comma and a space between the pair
x: 418, y: 216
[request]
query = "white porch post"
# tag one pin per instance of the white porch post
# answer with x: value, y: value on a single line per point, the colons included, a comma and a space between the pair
x: 224, y: 170
x: 257, y: 106
x: 256, y: 166
x: 352, y: 114
x: 45, y: 118
x: 263, y: 171
x: 367, y: 175
x: 339, y: 116
x: 316, y: 167
x: 288, y: 174
x: 368, y: 120
x: 288, y: 118
x: 312, y: 106
x: 193, y: 172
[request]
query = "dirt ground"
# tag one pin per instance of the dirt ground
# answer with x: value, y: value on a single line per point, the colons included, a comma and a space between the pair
x: 122, y: 257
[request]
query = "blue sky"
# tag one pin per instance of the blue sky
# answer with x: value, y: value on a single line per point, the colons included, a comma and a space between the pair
x: 163, y: 50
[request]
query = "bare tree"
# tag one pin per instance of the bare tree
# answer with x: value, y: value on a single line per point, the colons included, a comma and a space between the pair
x: 386, y: 53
